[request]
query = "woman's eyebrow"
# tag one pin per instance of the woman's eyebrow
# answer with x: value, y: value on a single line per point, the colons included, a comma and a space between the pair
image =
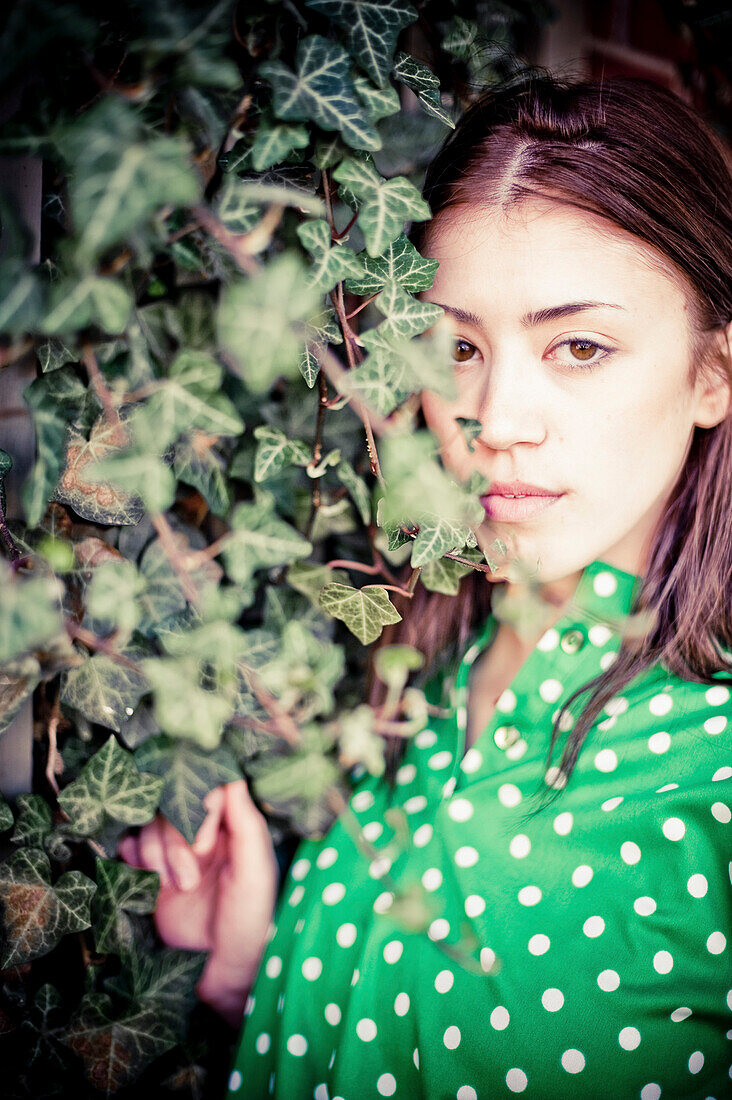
x: 531, y: 319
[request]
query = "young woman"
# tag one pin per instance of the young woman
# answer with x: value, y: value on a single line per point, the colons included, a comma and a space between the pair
x: 575, y: 944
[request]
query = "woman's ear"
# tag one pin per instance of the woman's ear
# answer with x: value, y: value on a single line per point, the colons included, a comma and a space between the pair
x: 714, y: 386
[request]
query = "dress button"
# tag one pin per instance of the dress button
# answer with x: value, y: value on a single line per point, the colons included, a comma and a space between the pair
x: 572, y: 640
x: 505, y: 736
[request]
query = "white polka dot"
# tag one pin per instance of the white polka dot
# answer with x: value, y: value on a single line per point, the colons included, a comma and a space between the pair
x: 651, y: 1091
x: 363, y: 800
x: 716, y: 943
x: 660, y: 704
x: 644, y: 906
x: 717, y: 695
x: 422, y: 836
x: 439, y: 929
x: 273, y: 966
x: 715, y: 724
x: 516, y: 1080
x: 332, y: 1014
x: 487, y: 959
x: 386, y: 1084
x: 384, y: 902
x: 721, y: 812
x: 529, y: 895
x: 599, y: 635
x: 697, y: 886
x: 608, y: 980
x: 549, y: 640
x: 500, y: 1018
x: 673, y: 828
x: 401, y: 1004
x: 722, y: 773
x: 573, y: 1061
x: 607, y: 659
x: 630, y: 852
x: 415, y: 805
x: 406, y: 773
x: 466, y: 1092
x: 262, y: 1043
x: 604, y: 583
x: 680, y: 1014
x: 520, y: 846
x: 466, y: 856
x: 366, y: 1030
x: 663, y: 962
x: 539, y: 944
x: 509, y: 794
x: 606, y: 760
x: 451, y: 1038
x: 629, y: 1038
x: 444, y: 981
x: 321, y: 1092
x: 300, y: 868
x: 593, y: 927
x: 355, y: 976
x: 249, y: 1006
x: 393, y: 951
x: 297, y: 895
x: 563, y: 823
x: 474, y: 905
x: 439, y: 760
x: 327, y: 858
x: 550, y: 690
x: 729, y: 999
x: 552, y: 999
x: 696, y: 1061
x: 297, y: 1045
x: 555, y: 777
x: 372, y: 831
x: 471, y: 761
x: 581, y: 875
x: 449, y: 787
x: 379, y: 866
x: 425, y: 739
x: 415, y: 1057
x: 235, y: 1081
x: 460, y: 809
x: 506, y: 701
x: 333, y: 893
x: 517, y: 750
x: 659, y: 742
x: 611, y: 803
x: 667, y: 787
x: 312, y: 968
x: 432, y: 878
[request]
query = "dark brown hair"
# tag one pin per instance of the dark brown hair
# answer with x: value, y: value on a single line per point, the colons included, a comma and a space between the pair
x: 634, y: 153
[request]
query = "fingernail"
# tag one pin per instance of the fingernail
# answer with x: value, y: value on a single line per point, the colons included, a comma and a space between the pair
x: 187, y: 877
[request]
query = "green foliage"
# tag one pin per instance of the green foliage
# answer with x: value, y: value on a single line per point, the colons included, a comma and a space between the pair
x: 209, y: 529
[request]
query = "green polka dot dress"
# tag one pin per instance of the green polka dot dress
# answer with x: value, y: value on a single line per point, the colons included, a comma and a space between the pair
x: 580, y: 953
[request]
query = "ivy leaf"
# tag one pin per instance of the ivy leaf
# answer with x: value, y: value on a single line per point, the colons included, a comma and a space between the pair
x: 235, y: 208
x: 357, y: 487
x: 321, y: 90
x: 6, y: 464
x: 84, y: 490
x: 54, y: 401
x: 358, y: 743
x: 259, y: 538
x: 34, y: 822
x: 188, y: 774
x: 381, y: 381
x: 365, y: 613
x: 274, y: 140
x: 310, y: 579
x: 163, y: 597
x: 406, y: 316
x: 424, y: 82
x: 110, y: 794
x: 37, y: 913
x: 30, y: 615
x: 385, y: 203
x: 122, y: 175
x: 190, y: 397
x: 42, y: 1028
x: 18, y: 680
x: 92, y: 300
x: 401, y: 263
x: 6, y: 815
x: 166, y: 980
x: 116, y: 1048
x: 436, y: 537
x: 275, y: 451
x: 103, y: 690
x: 321, y: 330
x: 259, y: 321
x: 443, y: 575
x: 198, y: 463
x: 372, y: 28
x: 111, y: 598
x: 121, y: 890
x: 331, y: 264
x: 54, y: 354
x: 295, y: 786
x: 379, y: 102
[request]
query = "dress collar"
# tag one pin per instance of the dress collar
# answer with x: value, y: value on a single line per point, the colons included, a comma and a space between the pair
x: 605, y: 592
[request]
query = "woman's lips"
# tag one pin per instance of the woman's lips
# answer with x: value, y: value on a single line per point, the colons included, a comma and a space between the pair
x: 512, y: 510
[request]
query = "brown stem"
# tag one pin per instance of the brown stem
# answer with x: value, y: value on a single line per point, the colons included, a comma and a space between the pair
x: 177, y: 560
x: 15, y: 352
x: 339, y: 236
x: 285, y: 723
x: 391, y: 587
x: 100, y: 386
x: 52, y: 744
x: 102, y: 645
x: 317, y: 449
x: 345, y: 563
x: 362, y: 306
x: 236, y: 244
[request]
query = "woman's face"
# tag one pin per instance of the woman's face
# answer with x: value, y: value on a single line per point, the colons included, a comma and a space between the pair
x: 593, y: 404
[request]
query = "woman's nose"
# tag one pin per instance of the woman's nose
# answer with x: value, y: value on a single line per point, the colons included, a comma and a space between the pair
x: 508, y: 404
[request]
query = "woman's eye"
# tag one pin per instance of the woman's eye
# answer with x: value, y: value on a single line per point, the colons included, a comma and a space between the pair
x: 583, y: 351
x: 463, y: 351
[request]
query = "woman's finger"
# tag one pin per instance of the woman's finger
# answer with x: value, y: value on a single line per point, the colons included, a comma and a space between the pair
x: 179, y: 856
x: 205, y: 838
x: 152, y: 852
x: 250, y: 837
x: 128, y: 850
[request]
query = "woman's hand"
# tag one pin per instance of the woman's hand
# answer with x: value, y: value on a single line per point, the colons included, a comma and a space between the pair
x: 216, y: 895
